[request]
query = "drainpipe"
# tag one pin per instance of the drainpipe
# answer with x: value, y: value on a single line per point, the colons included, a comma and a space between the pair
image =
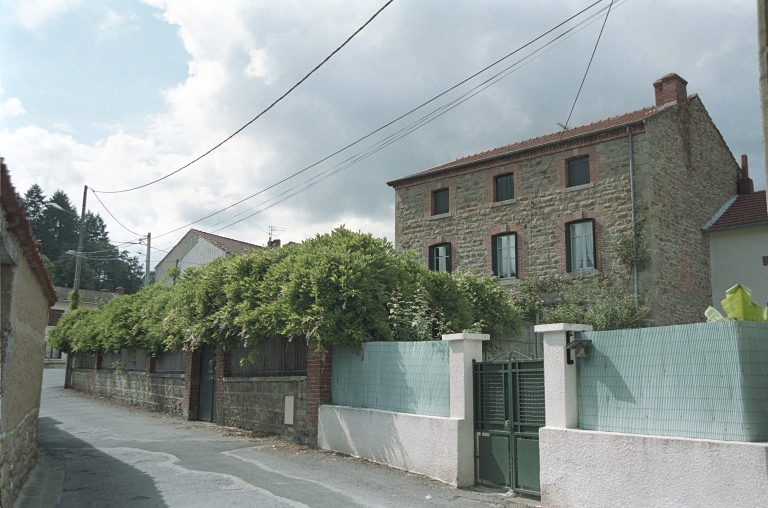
x: 632, y: 192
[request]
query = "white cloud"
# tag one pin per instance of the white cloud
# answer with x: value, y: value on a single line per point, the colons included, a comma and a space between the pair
x: 244, y: 54
x: 108, y: 29
x: 11, y: 108
x: 34, y: 14
x: 259, y: 66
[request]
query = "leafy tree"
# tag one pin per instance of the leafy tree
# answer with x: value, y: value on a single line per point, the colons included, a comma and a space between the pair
x: 59, y: 227
x: 34, y: 199
x: 103, y: 265
x: 342, y: 288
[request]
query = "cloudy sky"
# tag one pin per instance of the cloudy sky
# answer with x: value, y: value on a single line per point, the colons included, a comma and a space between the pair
x: 115, y: 94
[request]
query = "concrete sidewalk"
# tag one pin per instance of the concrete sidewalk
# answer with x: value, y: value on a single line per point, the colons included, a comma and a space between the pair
x: 97, y: 453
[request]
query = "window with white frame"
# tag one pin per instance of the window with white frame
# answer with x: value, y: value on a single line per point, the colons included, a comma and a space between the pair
x: 580, y: 245
x: 440, y: 257
x: 504, y: 255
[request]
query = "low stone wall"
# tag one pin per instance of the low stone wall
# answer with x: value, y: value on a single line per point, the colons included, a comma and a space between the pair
x: 17, y: 447
x: 608, y: 469
x: 156, y: 391
x: 259, y: 403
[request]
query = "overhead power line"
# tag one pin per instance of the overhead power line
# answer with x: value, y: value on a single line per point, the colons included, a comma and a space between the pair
x: 113, y: 216
x: 260, y: 114
x: 422, y: 105
x: 424, y: 120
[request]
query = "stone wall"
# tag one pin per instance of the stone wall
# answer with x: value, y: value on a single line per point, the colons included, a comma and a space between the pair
x: 683, y: 169
x: 537, y: 214
x: 155, y: 391
x: 23, y: 318
x: 258, y: 403
x: 690, y: 174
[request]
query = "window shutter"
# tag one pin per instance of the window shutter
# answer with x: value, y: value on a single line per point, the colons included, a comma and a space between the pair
x: 578, y: 172
x: 431, y: 260
x: 568, y: 247
x: 448, y: 259
x: 494, y: 256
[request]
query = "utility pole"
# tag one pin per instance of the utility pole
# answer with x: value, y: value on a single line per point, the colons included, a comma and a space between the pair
x: 76, y: 285
x: 149, y: 246
x: 762, y: 55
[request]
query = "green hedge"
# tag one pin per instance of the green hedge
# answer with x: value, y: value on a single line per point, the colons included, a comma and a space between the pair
x: 341, y: 288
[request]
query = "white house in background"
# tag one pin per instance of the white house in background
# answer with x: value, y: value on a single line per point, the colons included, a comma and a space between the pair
x: 88, y: 298
x: 738, y: 243
x: 198, y: 248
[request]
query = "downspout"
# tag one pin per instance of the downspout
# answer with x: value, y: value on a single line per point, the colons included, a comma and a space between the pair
x: 632, y: 193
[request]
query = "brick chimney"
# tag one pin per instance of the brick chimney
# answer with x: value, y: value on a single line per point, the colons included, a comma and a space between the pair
x: 120, y: 291
x: 745, y: 182
x: 104, y: 291
x: 273, y: 244
x: 671, y: 88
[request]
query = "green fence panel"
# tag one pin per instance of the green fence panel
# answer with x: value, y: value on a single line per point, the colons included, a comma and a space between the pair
x: 706, y: 380
x: 406, y: 377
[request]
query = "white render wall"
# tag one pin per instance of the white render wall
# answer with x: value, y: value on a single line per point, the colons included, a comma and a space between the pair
x: 425, y: 445
x: 439, y: 447
x: 736, y: 257
x: 581, y: 468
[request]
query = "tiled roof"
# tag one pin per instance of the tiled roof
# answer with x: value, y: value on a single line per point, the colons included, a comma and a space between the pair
x: 227, y: 244
x: 86, y: 295
x: 16, y: 215
x: 562, y: 136
x: 745, y: 210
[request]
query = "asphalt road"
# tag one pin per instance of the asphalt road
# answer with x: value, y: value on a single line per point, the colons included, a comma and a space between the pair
x: 95, y: 453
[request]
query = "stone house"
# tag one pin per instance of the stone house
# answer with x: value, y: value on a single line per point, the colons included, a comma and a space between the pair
x: 553, y: 204
x: 738, y: 243
x: 198, y: 248
x: 26, y: 295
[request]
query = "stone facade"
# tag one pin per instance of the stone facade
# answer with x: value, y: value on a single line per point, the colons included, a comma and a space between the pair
x: 682, y: 169
x: 26, y: 294
x: 155, y: 391
x: 258, y: 403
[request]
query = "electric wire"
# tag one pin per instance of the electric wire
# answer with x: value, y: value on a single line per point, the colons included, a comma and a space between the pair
x: 411, y: 128
x: 113, y: 216
x: 532, y: 41
x: 260, y: 114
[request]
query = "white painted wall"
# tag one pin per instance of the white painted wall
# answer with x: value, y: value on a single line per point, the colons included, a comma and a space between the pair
x: 438, y: 447
x: 581, y: 468
x: 735, y: 257
x: 201, y: 253
x: 192, y: 250
x: 425, y: 445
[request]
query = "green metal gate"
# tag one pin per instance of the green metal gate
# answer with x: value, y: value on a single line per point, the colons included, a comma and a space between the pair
x: 509, y: 409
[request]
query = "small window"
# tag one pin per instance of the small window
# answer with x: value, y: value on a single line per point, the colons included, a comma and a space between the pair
x: 504, y: 254
x: 440, y: 257
x: 53, y: 316
x: 580, y: 245
x: 505, y: 187
x: 440, y: 202
x: 578, y: 171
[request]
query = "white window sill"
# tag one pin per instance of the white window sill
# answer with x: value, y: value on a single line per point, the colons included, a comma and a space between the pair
x: 509, y: 282
x: 441, y: 216
x: 505, y: 202
x: 579, y: 187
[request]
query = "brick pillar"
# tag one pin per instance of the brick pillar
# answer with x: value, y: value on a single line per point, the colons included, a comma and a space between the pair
x: 318, y: 386
x: 151, y: 362
x: 191, y: 385
x: 223, y: 369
